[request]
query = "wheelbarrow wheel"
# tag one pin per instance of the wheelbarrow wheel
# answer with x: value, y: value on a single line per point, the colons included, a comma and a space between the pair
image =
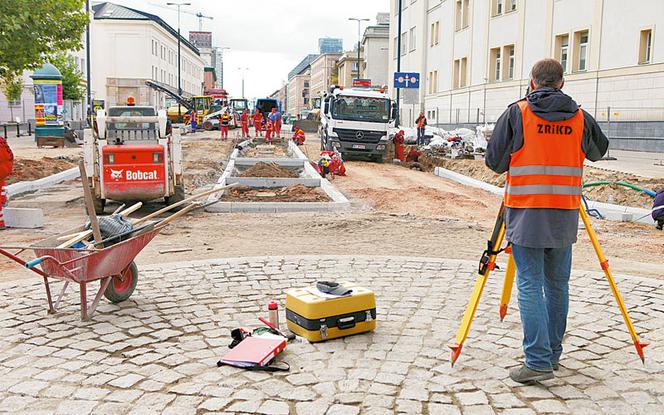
x: 122, y: 286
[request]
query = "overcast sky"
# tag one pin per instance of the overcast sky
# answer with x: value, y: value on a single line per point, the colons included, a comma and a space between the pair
x: 268, y: 37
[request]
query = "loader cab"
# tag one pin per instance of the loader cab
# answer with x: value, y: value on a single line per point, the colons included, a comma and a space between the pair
x: 119, y: 131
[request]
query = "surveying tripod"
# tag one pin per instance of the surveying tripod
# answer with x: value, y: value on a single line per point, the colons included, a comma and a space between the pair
x: 488, y: 263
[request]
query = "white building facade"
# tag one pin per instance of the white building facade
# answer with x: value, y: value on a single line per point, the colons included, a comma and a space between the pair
x: 130, y: 47
x: 375, y: 44
x: 474, y: 57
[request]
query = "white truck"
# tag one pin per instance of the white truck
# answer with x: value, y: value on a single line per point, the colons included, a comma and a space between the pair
x: 356, y: 121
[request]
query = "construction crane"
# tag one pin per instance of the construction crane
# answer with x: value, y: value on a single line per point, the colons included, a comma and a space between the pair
x: 199, y: 15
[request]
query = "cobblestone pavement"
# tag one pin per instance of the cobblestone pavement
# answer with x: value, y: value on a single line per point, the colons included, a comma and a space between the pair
x: 157, y: 352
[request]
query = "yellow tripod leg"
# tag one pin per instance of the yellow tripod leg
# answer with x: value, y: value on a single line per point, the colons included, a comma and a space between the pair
x: 604, y: 263
x: 510, y: 273
x: 480, y: 282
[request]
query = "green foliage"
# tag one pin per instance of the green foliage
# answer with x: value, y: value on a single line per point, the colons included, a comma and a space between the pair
x: 71, y: 77
x: 12, y: 88
x: 34, y: 31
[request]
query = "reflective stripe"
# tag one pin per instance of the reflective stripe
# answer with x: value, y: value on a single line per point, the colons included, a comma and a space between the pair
x: 657, y: 208
x: 543, y: 189
x: 546, y: 170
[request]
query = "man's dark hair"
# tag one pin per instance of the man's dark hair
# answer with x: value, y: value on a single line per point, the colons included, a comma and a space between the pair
x: 547, y: 72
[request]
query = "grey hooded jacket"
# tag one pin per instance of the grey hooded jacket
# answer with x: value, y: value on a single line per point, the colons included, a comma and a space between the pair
x: 541, y: 228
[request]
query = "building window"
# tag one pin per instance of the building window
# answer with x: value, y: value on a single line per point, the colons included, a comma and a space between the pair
x: 512, y: 5
x: 562, y: 50
x: 645, y: 46
x: 510, y: 64
x: 497, y: 7
x: 435, y: 82
x: 395, y: 53
x: 459, y: 75
x: 435, y: 30
x: 413, y: 42
x: 581, y: 47
x: 462, y: 14
x: 496, y: 62
x: 404, y: 38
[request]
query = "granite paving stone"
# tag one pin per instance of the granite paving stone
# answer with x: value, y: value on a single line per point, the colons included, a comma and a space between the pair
x: 157, y: 352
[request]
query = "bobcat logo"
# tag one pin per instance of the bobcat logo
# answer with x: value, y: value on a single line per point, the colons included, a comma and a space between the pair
x: 116, y: 174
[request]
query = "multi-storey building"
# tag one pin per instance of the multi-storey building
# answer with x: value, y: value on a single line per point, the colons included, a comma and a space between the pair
x: 299, y: 98
x: 475, y: 56
x: 322, y: 69
x: 375, y: 44
x: 330, y: 45
x: 129, y: 47
x: 349, y: 67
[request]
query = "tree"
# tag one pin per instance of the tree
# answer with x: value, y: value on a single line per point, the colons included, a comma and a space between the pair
x: 13, y: 89
x: 34, y: 31
x: 71, y: 77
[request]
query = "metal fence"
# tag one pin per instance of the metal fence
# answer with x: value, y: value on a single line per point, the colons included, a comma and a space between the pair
x: 628, y: 128
x: 13, y: 129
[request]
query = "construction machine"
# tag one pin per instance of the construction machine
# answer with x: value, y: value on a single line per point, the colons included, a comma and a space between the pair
x: 133, y: 155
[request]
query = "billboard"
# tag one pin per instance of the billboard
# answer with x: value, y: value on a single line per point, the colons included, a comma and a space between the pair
x: 48, y: 102
x: 201, y: 39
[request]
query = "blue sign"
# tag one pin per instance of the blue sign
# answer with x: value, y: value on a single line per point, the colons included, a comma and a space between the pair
x: 406, y: 80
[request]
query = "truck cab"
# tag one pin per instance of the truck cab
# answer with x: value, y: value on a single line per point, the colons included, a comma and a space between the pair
x: 355, y: 122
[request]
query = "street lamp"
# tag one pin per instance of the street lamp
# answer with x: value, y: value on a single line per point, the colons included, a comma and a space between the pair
x: 359, y: 39
x: 242, y: 70
x: 179, y: 4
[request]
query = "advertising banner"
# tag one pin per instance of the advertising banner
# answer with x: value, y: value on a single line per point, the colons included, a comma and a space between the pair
x: 48, y: 102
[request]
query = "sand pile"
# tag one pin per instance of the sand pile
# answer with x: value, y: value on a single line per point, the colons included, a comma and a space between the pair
x: 28, y: 170
x: 296, y: 193
x: 262, y: 169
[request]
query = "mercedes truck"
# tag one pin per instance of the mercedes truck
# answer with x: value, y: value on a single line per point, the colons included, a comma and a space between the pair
x: 356, y: 121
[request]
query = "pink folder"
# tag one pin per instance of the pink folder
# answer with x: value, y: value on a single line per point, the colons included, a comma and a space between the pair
x: 254, y: 351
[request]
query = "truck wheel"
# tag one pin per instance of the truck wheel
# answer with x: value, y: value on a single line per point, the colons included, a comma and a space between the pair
x: 207, y: 125
x: 122, y: 286
x: 99, y: 204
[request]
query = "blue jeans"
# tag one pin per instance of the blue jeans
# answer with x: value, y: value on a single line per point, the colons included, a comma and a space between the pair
x: 543, y: 282
x: 420, y: 136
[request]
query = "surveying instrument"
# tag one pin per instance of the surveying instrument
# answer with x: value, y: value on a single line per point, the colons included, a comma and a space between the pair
x: 488, y: 263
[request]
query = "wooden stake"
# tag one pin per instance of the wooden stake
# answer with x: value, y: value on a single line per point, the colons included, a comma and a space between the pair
x: 187, y: 200
x: 89, y: 203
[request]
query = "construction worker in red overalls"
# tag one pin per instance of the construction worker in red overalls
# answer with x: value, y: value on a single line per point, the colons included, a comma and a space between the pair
x: 6, y: 166
x: 244, y: 122
x: 299, y: 136
x: 269, y: 127
x: 224, y: 125
x: 257, y: 119
x: 399, y: 141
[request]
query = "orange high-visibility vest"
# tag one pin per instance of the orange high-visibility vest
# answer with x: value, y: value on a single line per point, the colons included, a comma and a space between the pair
x: 547, y: 171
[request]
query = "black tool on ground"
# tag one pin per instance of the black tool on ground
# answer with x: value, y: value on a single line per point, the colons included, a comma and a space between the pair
x: 333, y: 288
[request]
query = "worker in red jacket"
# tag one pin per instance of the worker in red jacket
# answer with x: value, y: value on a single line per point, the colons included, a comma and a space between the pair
x: 257, y: 119
x: 244, y: 122
x: 298, y: 136
x: 269, y: 128
x: 6, y: 166
x: 399, y: 141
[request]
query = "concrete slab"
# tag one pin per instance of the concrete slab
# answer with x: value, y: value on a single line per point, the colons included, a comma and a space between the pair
x: 23, y: 218
x: 56, y: 197
x: 276, y: 207
x: 20, y: 188
x: 633, y: 162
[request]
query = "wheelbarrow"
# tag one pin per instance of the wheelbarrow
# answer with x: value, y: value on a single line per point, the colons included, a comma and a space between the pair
x: 112, y: 266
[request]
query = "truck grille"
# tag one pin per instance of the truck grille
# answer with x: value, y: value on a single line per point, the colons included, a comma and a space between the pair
x: 360, y: 136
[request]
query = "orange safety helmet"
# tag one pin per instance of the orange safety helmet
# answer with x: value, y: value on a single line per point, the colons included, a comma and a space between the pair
x: 131, y: 101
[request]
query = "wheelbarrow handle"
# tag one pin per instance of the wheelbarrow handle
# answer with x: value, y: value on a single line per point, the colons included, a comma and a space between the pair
x: 34, y: 263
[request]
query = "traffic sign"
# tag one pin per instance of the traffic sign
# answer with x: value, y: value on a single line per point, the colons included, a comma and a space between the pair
x: 406, y: 80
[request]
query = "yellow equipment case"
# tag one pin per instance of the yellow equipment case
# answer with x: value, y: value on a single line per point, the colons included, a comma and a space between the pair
x: 318, y: 317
